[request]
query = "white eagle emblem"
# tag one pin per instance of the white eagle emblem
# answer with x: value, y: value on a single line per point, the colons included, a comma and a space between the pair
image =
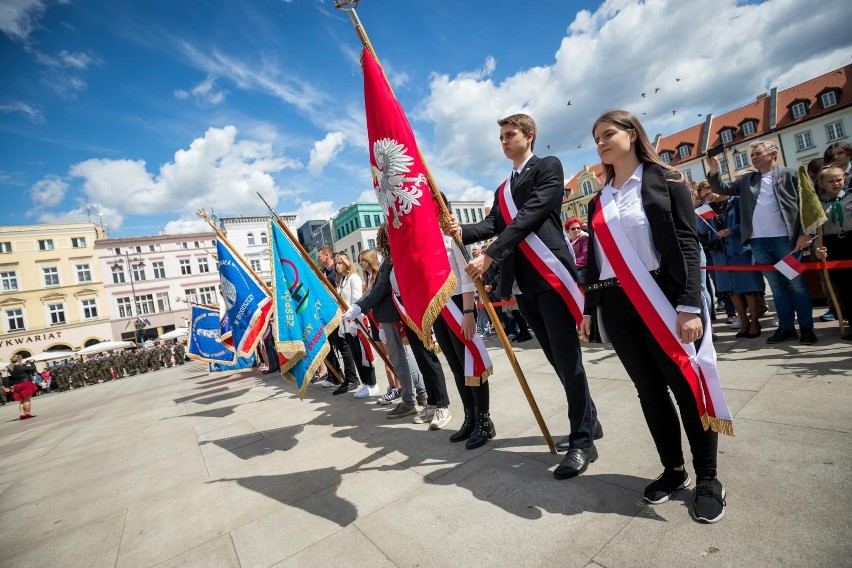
x: 389, y: 179
x: 229, y: 292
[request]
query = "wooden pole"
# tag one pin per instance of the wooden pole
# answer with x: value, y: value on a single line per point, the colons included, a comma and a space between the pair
x: 321, y: 275
x: 838, y: 311
x: 489, y: 309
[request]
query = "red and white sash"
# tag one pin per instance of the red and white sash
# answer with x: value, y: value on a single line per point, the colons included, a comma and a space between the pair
x: 698, y: 368
x: 541, y: 257
x: 477, y: 363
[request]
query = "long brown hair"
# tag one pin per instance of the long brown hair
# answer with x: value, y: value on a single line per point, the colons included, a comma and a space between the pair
x: 624, y: 120
x: 382, y: 242
x: 370, y: 257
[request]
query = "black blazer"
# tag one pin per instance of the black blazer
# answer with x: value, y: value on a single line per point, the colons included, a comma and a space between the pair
x: 668, y: 206
x: 378, y: 298
x: 538, y: 193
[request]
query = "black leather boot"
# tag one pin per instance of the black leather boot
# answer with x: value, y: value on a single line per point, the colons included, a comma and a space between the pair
x: 467, y: 427
x: 483, y: 432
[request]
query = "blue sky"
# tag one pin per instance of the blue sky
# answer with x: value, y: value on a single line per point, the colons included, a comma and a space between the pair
x: 141, y: 112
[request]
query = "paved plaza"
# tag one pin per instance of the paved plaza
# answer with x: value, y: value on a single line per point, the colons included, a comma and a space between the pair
x: 180, y: 468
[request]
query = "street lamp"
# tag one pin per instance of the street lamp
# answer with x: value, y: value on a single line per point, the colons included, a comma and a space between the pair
x: 136, y: 263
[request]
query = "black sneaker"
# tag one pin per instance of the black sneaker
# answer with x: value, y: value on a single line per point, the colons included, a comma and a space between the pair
x: 661, y: 489
x: 783, y: 334
x: 708, y: 503
x: 345, y: 387
x: 808, y: 336
x: 422, y: 399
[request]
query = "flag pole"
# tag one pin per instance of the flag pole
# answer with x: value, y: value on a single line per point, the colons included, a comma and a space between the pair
x: 203, y: 214
x: 349, y: 6
x: 321, y: 275
x: 191, y: 303
x: 838, y: 311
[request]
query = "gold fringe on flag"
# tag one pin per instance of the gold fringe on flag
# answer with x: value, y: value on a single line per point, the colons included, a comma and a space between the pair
x: 478, y: 381
x: 719, y: 425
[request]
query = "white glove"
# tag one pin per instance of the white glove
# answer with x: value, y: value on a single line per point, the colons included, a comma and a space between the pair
x: 353, y: 312
x: 382, y: 337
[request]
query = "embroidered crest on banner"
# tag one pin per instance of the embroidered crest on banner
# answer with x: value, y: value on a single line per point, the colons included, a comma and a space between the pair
x: 397, y: 193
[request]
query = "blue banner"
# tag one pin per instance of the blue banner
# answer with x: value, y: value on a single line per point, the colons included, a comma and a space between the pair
x: 204, y: 335
x: 246, y: 301
x: 240, y: 365
x: 305, y: 311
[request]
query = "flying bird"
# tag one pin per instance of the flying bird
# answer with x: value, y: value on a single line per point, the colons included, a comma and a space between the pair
x: 677, y: 79
x: 699, y: 114
x: 569, y: 103
x: 548, y: 146
x: 674, y: 112
x: 579, y: 145
x: 656, y: 90
x: 643, y: 114
x: 643, y: 95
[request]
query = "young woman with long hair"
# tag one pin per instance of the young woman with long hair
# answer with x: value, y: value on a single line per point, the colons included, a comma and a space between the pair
x: 349, y: 285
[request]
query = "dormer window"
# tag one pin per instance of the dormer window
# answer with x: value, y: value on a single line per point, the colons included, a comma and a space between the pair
x: 829, y: 98
x: 666, y: 157
x: 727, y: 135
x: 799, y: 109
x: 684, y: 150
x: 748, y: 127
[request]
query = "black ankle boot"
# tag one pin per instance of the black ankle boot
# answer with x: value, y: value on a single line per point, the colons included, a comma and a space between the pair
x: 467, y: 427
x: 483, y: 432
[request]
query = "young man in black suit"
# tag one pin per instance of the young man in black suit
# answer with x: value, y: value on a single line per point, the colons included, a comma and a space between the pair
x: 537, y: 186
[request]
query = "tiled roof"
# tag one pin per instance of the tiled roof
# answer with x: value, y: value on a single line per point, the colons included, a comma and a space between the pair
x: 757, y: 110
x: 691, y: 135
x: 572, y: 186
x: 810, y: 91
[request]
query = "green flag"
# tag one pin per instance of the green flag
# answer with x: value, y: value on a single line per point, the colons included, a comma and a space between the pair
x: 812, y: 213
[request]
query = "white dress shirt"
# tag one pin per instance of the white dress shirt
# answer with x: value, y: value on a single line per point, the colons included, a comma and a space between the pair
x: 767, y: 220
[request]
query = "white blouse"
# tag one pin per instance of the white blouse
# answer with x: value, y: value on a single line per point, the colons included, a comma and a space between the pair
x: 350, y: 289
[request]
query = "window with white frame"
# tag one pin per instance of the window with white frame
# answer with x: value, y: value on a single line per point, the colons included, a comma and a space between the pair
x: 255, y: 264
x: 5, y: 247
x: 584, y: 210
x: 152, y: 248
x: 185, y: 267
x: 264, y: 240
x: 56, y: 313
x: 587, y: 187
x: 139, y: 272
x: 9, y: 279
x: 15, y: 319
x: 84, y: 273
x: 78, y: 242
x: 377, y: 220
x: 727, y: 136
x: 371, y: 243
x: 90, y: 309
x: 197, y: 244
x: 834, y: 131
x: 116, y: 251
x: 45, y: 244
x: 203, y: 266
x: 688, y: 175
x: 740, y: 160
x: 162, y: 299
x: 250, y: 238
x: 190, y: 295
x: 145, y: 304
x: 828, y: 99
x: 804, y: 140
x: 118, y: 274
x: 51, y: 276
x: 367, y: 221
x: 723, y: 165
x: 159, y: 270
x: 184, y: 246
x: 138, y: 249
x: 799, y: 109
x: 466, y: 215
x: 683, y: 150
x: 666, y: 157
x: 125, y: 307
x: 207, y: 295
x: 748, y: 128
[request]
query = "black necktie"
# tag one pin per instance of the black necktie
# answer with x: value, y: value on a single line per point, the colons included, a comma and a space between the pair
x: 514, y: 175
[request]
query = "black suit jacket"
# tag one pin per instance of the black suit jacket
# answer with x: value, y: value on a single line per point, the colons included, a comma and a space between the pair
x: 538, y: 193
x: 668, y: 206
x: 378, y: 298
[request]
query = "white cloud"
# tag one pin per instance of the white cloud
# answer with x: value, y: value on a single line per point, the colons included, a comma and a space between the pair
x: 93, y: 212
x: 609, y: 57
x: 63, y: 70
x: 205, y: 92
x: 19, y: 17
x: 48, y: 192
x: 185, y: 224
x: 34, y: 114
x: 324, y: 150
x: 312, y: 210
x: 217, y: 170
x: 368, y: 196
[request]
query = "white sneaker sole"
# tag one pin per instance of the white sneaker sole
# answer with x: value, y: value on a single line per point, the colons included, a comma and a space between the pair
x: 683, y: 485
x: 711, y: 521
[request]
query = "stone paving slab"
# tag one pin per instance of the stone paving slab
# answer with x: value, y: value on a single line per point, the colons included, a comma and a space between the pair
x: 179, y: 468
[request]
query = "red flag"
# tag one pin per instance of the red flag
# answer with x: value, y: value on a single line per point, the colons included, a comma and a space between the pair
x: 422, y: 269
x: 705, y: 212
x: 790, y: 266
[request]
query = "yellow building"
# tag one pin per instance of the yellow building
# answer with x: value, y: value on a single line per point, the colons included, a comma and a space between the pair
x: 51, y: 289
x: 579, y: 190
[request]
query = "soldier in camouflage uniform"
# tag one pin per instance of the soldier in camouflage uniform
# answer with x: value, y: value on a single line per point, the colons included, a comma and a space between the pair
x: 180, y: 353
x: 60, y: 375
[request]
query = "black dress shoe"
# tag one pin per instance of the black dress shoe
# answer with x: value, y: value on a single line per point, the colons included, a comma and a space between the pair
x: 782, y: 334
x: 345, y: 387
x: 564, y: 445
x: 576, y: 461
x: 808, y: 336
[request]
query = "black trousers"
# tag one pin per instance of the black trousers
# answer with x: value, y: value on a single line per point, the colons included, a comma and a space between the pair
x: 840, y: 248
x: 548, y: 316
x: 367, y: 373
x: 476, y: 399
x: 430, y: 370
x: 339, y: 345
x: 654, y: 373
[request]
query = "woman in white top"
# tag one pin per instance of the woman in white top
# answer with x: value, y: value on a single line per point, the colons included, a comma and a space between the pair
x: 350, y: 286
